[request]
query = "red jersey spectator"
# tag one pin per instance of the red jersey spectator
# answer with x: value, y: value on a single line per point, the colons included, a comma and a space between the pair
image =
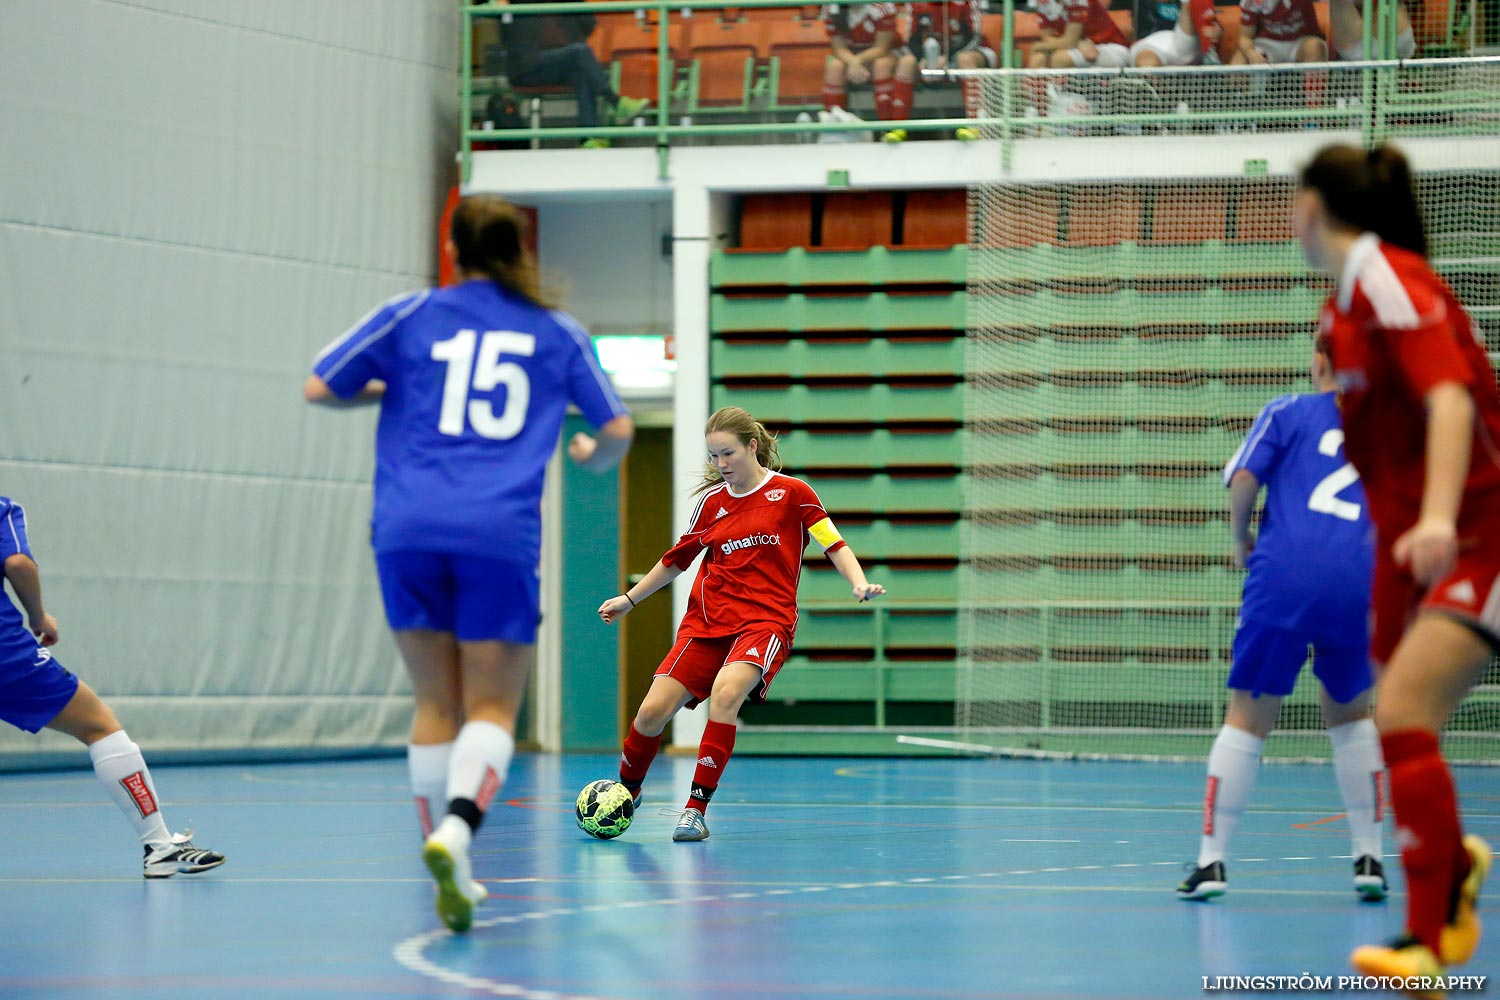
x: 1077, y: 33
x: 866, y: 43
x: 1279, y: 31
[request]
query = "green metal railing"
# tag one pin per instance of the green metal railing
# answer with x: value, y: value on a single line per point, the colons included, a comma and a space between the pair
x: 1380, y: 94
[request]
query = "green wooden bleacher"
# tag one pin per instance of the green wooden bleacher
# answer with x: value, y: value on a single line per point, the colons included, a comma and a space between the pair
x: 853, y: 353
x: 1118, y: 375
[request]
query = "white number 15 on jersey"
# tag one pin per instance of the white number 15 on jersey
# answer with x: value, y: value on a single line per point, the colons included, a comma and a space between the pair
x: 487, y: 373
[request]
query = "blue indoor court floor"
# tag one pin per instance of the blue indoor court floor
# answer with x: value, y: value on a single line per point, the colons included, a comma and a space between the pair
x: 901, y: 879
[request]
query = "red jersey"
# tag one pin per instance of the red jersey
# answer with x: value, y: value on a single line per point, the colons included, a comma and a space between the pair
x: 857, y: 24
x: 1394, y: 330
x: 1282, y: 20
x: 956, y: 25
x: 1054, y: 16
x: 752, y: 556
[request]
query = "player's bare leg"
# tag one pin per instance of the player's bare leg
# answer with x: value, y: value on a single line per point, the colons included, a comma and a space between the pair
x: 731, y: 687
x: 122, y: 771
x: 1358, y: 768
x: 431, y: 660
x: 663, y: 700
x: 1232, y: 767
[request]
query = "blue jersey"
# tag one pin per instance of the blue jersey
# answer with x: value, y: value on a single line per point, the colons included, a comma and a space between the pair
x: 478, y: 381
x: 12, y: 542
x: 1313, y: 562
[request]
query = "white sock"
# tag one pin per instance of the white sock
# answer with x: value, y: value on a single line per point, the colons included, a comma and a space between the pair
x: 1232, y: 767
x: 427, y: 764
x: 122, y: 771
x: 476, y: 770
x: 1357, y: 763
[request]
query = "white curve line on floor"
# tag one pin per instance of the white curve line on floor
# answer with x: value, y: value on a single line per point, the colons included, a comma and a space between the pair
x: 410, y: 953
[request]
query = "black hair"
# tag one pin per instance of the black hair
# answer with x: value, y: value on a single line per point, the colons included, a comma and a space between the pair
x: 489, y: 236
x: 1370, y: 190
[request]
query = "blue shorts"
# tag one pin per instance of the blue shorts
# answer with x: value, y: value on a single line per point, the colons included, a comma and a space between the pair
x: 33, y: 686
x: 1268, y: 659
x: 475, y: 598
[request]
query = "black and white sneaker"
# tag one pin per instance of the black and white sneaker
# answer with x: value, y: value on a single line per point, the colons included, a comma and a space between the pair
x: 179, y: 857
x: 1204, y: 883
x: 1369, y: 879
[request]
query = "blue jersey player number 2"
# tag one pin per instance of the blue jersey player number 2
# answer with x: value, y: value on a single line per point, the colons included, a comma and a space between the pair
x: 1308, y: 586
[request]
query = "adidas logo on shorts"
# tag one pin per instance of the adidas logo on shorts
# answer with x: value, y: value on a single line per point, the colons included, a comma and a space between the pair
x: 1462, y: 591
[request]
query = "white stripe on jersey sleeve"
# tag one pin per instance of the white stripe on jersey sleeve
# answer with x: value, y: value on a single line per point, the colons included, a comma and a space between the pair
x: 1392, y: 303
x: 10, y: 522
x: 1257, y: 432
x: 417, y: 298
x: 701, y: 501
x: 581, y: 338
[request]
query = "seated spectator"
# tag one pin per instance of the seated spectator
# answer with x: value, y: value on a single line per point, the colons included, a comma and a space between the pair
x: 1279, y: 31
x: 1346, y: 24
x: 949, y: 35
x: 1177, y: 33
x: 553, y: 49
x: 866, y: 46
x: 1077, y: 33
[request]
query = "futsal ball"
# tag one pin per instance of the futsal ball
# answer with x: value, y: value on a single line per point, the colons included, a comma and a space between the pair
x: 605, y: 809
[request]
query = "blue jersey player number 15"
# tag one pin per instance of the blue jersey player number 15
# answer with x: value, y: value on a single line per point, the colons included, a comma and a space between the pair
x: 473, y: 382
x: 458, y: 353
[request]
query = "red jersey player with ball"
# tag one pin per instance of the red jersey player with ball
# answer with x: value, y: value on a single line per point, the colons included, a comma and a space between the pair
x: 751, y: 526
x: 1422, y: 425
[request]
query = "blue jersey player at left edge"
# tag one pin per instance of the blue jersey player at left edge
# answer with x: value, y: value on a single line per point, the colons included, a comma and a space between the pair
x: 37, y: 692
x: 473, y: 382
x: 1309, y: 582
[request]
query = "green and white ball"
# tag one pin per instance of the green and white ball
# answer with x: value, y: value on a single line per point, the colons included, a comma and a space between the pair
x: 605, y: 809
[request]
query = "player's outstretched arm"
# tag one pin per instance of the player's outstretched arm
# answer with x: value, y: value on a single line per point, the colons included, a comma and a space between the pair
x: 26, y: 581
x: 603, y: 451
x: 844, y: 561
x: 617, y: 607
x: 316, y: 391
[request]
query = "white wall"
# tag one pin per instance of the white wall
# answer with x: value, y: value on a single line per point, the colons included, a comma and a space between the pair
x: 197, y: 195
x: 607, y: 257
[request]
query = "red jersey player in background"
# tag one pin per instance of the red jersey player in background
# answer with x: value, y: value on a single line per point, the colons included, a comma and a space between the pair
x: 1177, y: 33
x: 751, y: 526
x: 1422, y: 424
x: 867, y: 44
x: 947, y: 35
x: 1077, y: 33
x: 1279, y: 31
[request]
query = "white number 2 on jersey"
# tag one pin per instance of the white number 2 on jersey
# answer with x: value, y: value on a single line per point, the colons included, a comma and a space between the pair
x: 1324, y: 497
x: 458, y: 353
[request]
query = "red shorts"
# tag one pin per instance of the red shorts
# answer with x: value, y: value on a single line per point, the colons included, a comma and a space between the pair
x: 694, y: 662
x: 1470, y: 593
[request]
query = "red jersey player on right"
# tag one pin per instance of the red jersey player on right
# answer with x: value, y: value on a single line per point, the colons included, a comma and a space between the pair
x: 1422, y: 425
x: 751, y: 527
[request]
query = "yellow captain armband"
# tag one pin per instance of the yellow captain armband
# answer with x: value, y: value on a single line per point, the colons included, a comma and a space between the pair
x: 825, y: 534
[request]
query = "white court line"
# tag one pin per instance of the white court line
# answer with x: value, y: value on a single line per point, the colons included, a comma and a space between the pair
x: 411, y: 952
